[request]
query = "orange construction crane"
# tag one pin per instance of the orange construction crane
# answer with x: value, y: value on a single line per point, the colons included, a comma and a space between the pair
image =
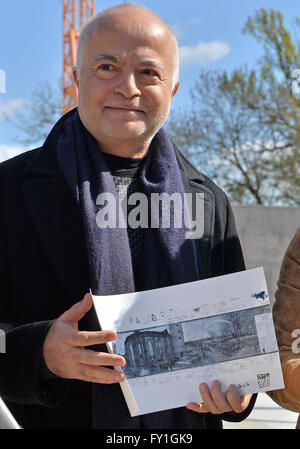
x: 75, y: 14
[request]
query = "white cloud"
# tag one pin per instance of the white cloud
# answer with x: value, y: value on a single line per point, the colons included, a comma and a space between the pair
x: 11, y: 107
x: 7, y: 152
x: 203, y: 53
x: 195, y: 21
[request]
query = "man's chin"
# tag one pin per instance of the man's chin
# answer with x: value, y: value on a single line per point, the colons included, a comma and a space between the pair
x: 127, y: 132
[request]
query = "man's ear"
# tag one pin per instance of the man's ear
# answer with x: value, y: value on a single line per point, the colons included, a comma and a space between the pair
x: 75, y: 75
x: 175, y: 88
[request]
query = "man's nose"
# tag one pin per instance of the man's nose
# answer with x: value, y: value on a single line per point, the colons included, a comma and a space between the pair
x: 127, y: 86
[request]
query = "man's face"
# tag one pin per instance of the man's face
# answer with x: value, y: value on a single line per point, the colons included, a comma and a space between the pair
x: 126, y: 82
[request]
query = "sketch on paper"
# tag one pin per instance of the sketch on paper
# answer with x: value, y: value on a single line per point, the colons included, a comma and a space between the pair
x: 188, y: 344
x: 173, y: 338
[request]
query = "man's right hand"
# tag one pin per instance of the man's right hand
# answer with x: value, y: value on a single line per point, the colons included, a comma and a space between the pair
x: 65, y: 352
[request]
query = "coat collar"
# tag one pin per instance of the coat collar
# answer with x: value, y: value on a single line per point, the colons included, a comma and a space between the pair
x: 56, y: 216
x: 45, y: 163
x: 187, y: 169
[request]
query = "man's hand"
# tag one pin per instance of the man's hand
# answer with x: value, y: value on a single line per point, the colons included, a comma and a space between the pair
x: 65, y: 354
x: 215, y: 401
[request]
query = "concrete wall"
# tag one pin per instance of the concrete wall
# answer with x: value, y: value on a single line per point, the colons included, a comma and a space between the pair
x: 265, y: 233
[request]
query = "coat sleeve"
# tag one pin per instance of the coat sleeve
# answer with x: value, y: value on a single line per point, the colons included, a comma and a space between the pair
x: 22, y: 378
x: 227, y: 256
x: 286, y: 316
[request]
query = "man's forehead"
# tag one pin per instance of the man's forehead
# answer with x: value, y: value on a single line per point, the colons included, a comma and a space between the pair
x: 117, y: 47
x: 136, y: 35
x: 129, y: 17
x: 148, y: 37
x: 139, y: 32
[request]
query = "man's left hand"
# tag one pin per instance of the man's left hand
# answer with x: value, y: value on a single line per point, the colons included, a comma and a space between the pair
x: 216, y: 402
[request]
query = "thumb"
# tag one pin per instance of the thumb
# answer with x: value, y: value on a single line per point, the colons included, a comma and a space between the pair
x: 78, y: 310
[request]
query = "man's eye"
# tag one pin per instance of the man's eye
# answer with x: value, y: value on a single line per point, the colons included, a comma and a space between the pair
x: 106, y: 67
x: 149, y: 72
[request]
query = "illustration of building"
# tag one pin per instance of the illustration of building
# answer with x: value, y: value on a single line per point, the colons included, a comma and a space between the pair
x: 177, y: 336
x: 149, y: 351
x: 212, y: 339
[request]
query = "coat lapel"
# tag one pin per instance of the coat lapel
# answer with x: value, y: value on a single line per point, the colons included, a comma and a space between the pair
x: 193, y: 182
x: 57, y: 219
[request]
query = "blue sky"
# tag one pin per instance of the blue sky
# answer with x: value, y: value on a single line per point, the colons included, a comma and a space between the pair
x: 209, y: 35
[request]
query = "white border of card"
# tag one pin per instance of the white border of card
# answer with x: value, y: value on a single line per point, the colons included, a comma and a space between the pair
x: 221, y: 328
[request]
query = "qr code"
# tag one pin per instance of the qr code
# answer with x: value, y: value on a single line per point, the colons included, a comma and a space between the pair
x: 263, y: 380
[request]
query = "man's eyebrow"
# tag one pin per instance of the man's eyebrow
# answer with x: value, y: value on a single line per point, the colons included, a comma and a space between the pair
x: 104, y: 56
x: 152, y: 63
x: 145, y: 63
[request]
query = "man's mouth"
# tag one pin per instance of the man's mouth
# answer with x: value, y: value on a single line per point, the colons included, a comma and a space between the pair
x: 124, y: 108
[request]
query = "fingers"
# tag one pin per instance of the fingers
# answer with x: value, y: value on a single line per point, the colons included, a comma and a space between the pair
x: 90, y: 366
x: 78, y: 310
x: 215, y: 401
x: 75, y: 314
x: 101, y: 375
x: 84, y: 338
x: 198, y: 407
x: 72, y: 362
x: 65, y: 349
x: 88, y: 357
x: 237, y: 402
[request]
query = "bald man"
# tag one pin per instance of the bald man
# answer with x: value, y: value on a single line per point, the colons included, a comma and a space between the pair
x: 60, y: 236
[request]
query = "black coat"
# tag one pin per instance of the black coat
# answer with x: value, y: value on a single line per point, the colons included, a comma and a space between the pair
x: 44, y: 271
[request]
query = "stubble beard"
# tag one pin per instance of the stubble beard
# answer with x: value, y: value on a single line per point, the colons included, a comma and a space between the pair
x: 137, y: 133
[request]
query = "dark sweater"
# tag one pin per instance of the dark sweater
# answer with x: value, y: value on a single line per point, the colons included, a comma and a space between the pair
x: 125, y: 173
